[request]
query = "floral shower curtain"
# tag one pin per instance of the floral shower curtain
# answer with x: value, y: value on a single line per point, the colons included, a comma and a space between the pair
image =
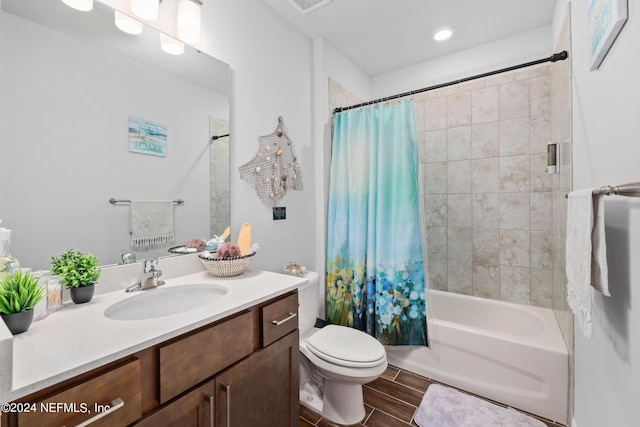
x: 375, y: 274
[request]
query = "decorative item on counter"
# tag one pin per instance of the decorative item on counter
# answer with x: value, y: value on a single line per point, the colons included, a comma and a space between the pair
x: 54, y: 293
x: 217, y: 241
x: 229, y: 259
x: 227, y: 250
x: 274, y: 169
x: 244, y: 238
x: 40, y: 309
x: 225, y: 267
x: 19, y: 293
x: 294, y: 269
x: 79, y: 273
x: 213, y: 244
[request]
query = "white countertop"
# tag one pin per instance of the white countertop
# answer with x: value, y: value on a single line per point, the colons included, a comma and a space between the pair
x: 79, y: 338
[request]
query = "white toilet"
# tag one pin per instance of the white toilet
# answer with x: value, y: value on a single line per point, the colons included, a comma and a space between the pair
x: 335, y: 362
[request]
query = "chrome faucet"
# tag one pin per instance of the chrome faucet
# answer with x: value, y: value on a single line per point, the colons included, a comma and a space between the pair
x: 149, y: 277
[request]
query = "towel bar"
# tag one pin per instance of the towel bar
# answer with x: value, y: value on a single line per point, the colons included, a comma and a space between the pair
x: 114, y: 201
x: 630, y: 190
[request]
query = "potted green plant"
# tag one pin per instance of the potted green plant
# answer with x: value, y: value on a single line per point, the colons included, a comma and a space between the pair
x: 79, y: 272
x: 19, y: 293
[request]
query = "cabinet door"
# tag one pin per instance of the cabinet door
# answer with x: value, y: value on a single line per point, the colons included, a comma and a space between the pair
x: 261, y: 390
x: 195, y: 409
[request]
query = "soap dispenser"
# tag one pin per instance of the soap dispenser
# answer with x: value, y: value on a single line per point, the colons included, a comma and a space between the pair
x: 8, y: 264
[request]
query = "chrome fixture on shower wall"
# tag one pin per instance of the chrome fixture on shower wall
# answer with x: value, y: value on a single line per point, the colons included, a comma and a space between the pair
x: 552, y: 157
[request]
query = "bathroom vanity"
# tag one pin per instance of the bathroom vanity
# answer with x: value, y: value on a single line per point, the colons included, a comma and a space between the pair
x: 233, y: 362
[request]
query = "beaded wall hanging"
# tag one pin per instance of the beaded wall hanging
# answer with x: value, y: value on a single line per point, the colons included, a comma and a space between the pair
x: 274, y: 169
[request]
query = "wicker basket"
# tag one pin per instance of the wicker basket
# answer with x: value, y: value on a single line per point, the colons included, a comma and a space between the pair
x: 225, y: 267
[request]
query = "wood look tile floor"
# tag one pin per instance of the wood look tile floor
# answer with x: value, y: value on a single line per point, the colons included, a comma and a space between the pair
x: 390, y: 401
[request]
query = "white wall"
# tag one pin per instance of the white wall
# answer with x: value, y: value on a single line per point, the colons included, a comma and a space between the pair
x: 271, y: 76
x: 517, y: 49
x: 606, y: 151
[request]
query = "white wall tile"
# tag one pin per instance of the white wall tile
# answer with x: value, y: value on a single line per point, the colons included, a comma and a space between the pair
x: 515, y: 248
x: 514, y: 174
x: 459, y: 176
x: 435, y: 143
x: 485, y: 175
x: 459, y: 109
x: 515, y: 284
x: 459, y: 210
x: 459, y: 143
x: 514, y: 100
x: 486, y: 210
x: 514, y: 136
x: 485, y: 140
x: 485, y: 105
x: 514, y: 211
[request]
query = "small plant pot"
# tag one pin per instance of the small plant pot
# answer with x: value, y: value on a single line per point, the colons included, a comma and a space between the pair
x: 18, y: 322
x: 82, y: 294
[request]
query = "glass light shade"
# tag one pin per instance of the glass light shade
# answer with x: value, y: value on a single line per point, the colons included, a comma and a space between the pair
x: 83, y: 5
x: 443, y: 34
x: 171, y: 45
x: 128, y: 24
x: 145, y: 9
x: 188, y: 21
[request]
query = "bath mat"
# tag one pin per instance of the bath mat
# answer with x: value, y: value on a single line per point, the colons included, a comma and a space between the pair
x: 447, y: 407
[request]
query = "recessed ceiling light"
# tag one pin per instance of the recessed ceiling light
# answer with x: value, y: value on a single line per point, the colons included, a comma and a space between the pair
x: 443, y: 34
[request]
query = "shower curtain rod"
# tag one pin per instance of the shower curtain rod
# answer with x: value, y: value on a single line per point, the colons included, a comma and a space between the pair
x: 561, y: 56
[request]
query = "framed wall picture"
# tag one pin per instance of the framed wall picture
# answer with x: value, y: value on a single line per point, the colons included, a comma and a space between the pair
x: 606, y: 18
x: 147, y: 137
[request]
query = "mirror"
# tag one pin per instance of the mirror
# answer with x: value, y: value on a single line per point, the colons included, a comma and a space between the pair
x: 70, y: 84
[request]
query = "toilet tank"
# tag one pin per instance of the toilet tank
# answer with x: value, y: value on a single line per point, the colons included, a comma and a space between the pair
x: 308, y: 297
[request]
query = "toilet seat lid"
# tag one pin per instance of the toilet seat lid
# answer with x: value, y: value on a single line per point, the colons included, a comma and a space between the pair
x: 346, y: 347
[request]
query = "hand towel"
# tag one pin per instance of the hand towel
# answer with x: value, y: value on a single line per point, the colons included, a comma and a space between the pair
x: 151, y: 223
x: 586, y: 254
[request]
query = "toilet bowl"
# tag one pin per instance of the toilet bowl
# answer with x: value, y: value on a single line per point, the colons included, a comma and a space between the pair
x: 335, y: 361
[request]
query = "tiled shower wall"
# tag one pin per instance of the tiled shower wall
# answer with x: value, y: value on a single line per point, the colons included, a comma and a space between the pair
x: 486, y: 192
x: 487, y: 196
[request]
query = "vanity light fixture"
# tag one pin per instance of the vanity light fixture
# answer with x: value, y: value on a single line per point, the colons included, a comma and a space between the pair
x: 127, y: 24
x: 443, y: 34
x: 82, y: 5
x: 188, y: 25
x: 145, y: 9
x: 171, y: 45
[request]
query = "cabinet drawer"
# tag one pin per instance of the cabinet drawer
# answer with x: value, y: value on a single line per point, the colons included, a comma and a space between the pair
x: 90, y: 399
x: 197, y: 357
x: 279, y: 318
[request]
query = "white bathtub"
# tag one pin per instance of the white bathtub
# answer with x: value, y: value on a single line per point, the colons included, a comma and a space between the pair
x: 510, y: 353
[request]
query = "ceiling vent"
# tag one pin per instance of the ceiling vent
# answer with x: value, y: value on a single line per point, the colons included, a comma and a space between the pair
x: 306, y: 6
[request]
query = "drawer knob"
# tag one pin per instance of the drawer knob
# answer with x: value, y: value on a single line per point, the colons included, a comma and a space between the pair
x: 285, y: 320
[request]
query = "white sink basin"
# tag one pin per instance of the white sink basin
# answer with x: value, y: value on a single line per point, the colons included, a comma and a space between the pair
x: 161, y: 302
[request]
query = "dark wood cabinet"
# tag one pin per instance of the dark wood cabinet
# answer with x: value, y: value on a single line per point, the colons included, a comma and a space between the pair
x: 262, y: 390
x: 240, y: 371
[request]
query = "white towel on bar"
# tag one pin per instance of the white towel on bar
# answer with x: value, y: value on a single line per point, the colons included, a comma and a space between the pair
x: 586, y: 254
x: 151, y: 223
